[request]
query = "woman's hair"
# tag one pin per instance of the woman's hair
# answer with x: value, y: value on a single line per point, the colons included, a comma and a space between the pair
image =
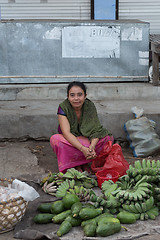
x: 77, y: 84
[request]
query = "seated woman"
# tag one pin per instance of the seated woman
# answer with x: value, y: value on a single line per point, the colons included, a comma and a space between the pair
x: 81, y: 136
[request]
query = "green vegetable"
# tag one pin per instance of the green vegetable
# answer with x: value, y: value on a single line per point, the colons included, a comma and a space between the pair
x: 107, y: 229
x: 64, y: 228
x: 45, y: 207
x: 90, y: 229
x: 88, y: 213
x: 57, y: 207
x: 43, y: 218
x: 126, y: 217
x: 108, y: 219
x: 69, y: 199
x: 76, y: 207
x: 74, y: 221
x: 59, y: 218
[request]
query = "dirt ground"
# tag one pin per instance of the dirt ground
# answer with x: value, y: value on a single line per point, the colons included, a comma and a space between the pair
x: 48, y: 161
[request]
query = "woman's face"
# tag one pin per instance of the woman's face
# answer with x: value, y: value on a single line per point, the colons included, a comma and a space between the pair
x: 76, y: 97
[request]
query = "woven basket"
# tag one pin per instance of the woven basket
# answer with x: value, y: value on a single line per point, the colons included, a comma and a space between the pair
x: 11, y: 211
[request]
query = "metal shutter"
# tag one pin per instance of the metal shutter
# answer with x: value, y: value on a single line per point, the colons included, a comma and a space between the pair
x: 144, y: 10
x: 45, y: 9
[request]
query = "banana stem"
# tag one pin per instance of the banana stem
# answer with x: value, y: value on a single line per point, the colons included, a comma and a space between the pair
x: 126, y: 229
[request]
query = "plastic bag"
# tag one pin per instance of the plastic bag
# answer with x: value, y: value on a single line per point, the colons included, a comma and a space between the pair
x: 111, y: 158
x: 142, y: 137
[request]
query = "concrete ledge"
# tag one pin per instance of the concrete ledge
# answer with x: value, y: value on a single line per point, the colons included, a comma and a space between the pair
x: 38, y: 119
x: 95, y: 91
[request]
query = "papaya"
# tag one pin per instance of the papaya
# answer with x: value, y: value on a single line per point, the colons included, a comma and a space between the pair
x: 126, y: 217
x: 108, y: 219
x: 59, y: 218
x: 43, y: 218
x: 107, y: 229
x: 57, y: 207
x: 86, y: 222
x: 88, y: 213
x: 96, y: 219
x: 75, y: 208
x: 74, y: 221
x: 69, y: 199
x: 45, y: 207
x: 90, y: 229
x: 64, y: 228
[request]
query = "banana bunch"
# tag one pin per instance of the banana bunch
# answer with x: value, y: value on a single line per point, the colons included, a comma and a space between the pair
x: 71, y: 187
x: 143, y: 210
x: 49, y: 188
x: 130, y: 192
x: 52, y: 177
x: 147, y: 167
x: 72, y: 173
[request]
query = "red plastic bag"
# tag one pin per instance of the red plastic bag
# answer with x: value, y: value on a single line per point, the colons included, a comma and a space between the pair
x: 111, y: 158
x: 99, y: 161
x: 116, y: 161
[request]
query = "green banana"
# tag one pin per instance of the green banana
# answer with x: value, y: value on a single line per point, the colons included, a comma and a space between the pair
x: 151, y: 215
x: 142, y: 216
x: 143, y: 206
x: 138, y: 207
x: 148, y: 163
x: 154, y: 165
x: 144, y: 163
x: 133, y: 209
x: 158, y: 163
x: 138, y: 164
x: 149, y: 203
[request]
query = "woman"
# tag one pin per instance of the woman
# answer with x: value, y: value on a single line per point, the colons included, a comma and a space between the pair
x: 81, y: 136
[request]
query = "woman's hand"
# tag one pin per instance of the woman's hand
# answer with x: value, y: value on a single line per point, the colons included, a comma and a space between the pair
x: 88, y: 153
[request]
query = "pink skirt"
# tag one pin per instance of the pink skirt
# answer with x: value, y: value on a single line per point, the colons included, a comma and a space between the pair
x: 69, y: 156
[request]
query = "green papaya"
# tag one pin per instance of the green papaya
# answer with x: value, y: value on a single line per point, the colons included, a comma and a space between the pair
x: 96, y: 219
x: 88, y: 213
x: 126, y: 217
x: 43, y: 218
x: 64, y: 228
x: 59, y: 218
x: 74, y: 221
x: 107, y: 229
x: 75, y: 208
x: 57, y: 207
x: 69, y: 199
x: 108, y: 219
x: 45, y: 207
x: 90, y: 229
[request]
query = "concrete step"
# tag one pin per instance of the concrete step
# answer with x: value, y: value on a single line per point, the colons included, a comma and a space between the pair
x: 95, y: 91
x: 37, y: 119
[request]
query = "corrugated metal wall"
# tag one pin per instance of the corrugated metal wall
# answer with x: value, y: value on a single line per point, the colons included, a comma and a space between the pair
x: 145, y: 10
x: 45, y: 9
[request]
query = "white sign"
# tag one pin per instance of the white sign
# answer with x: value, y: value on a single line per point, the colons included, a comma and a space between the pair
x: 91, y: 42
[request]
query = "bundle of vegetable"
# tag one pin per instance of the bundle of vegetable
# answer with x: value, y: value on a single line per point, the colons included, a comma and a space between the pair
x: 51, y: 183
x: 70, y: 212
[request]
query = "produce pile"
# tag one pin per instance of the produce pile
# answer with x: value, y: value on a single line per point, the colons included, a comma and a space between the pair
x: 135, y: 196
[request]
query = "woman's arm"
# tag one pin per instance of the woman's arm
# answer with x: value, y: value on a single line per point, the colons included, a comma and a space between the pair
x: 65, y: 128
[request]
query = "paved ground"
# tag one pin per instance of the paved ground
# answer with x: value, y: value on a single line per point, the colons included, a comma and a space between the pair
x: 36, y: 157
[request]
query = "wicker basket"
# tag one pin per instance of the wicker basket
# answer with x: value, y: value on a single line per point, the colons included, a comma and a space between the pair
x: 11, y: 211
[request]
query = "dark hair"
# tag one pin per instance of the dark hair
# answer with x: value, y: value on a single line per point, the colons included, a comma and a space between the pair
x: 77, y: 84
